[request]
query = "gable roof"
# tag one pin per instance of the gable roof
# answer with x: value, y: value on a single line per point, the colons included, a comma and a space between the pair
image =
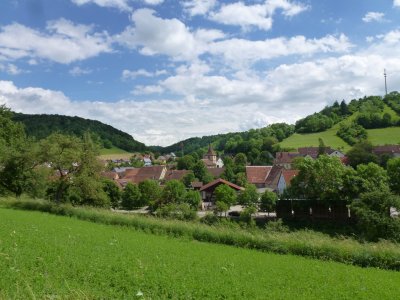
x: 221, y: 181
x: 273, y: 176
x: 257, y: 174
x: 211, y: 151
x: 141, y: 174
x: 288, y: 175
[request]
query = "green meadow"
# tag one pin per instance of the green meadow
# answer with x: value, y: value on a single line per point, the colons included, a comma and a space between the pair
x: 44, y: 256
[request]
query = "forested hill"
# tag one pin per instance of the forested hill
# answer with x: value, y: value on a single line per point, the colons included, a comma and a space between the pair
x: 41, y: 126
x: 344, y: 122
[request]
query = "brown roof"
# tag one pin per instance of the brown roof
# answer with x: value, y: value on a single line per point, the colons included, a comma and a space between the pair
x: 141, y: 174
x: 216, y: 172
x: 257, y: 174
x: 273, y: 176
x: 313, y: 151
x: 387, y: 149
x: 176, y: 174
x: 285, y: 157
x: 288, y: 175
x: 221, y: 181
x: 197, y: 184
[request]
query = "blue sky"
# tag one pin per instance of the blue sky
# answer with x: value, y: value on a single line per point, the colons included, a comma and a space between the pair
x: 168, y: 70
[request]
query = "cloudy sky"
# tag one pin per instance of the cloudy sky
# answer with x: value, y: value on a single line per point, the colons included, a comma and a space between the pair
x: 165, y: 70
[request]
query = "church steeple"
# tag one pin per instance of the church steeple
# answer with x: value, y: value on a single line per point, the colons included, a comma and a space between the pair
x: 211, y: 154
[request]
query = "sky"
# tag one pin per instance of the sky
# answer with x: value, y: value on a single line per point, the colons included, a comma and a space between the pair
x: 165, y: 70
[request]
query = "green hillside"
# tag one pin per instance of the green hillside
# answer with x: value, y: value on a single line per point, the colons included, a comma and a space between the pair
x: 112, y: 139
x: 44, y: 256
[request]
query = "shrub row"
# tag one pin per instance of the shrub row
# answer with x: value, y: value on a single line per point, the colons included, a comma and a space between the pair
x: 306, y: 243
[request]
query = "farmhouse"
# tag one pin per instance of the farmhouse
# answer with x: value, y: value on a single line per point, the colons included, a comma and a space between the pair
x: 207, y: 191
x: 263, y: 177
x: 285, y: 159
x: 285, y: 178
x: 138, y: 175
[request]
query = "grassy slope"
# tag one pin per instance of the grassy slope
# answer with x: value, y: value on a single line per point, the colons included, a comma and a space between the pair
x: 46, y: 256
x: 376, y: 136
x: 113, y: 150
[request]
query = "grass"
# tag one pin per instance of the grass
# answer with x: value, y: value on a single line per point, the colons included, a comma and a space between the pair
x: 113, y: 150
x: 381, y: 136
x: 51, y: 257
x: 303, y: 243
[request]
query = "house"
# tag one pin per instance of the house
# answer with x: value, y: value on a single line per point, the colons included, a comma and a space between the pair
x: 285, y: 178
x: 285, y: 159
x: 121, y: 170
x: 110, y: 175
x: 391, y: 150
x: 263, y: 177
x: 207, y: 191
x: 176, y: 174
x: 210, y: 159
x: 197, y: 185
x: 138, y: 175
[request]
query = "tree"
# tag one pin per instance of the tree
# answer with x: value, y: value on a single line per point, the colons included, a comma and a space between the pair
x: 113, y: 192
x: 319, y: 179
x: 18, y: 156
x: 150, y: 192
x: 193, y: 198
x: 240, y: 162
x: 321, y: 147
x: 361, y: 153
x: 393, y: 170
x: 241, y: 179
x: 188, y: 179
x: 249, y: 197
x: 224, y: 193
x: 173, y: 192
x: 186, y: 162
x: 268, y: 201
x: 373, y: 215
x: 131, y: 197
x: 220, y: 207
x: 373, y: 178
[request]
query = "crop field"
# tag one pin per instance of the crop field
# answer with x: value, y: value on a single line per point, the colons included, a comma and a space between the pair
x: 53, y: 257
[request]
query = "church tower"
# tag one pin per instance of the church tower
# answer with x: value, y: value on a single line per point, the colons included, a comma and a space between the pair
x: 211, y: 154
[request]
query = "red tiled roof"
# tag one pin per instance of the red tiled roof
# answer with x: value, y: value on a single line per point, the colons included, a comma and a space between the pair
x: 208, y: 163
x: 141, y: 174
x: 288, y: 175
x: 110, y: 175
x: 313, y: 151
x: 257, y: 174
x: 197, y: 184
x: 221, y: 181
x: 216, y: 172
x: 273, y: 176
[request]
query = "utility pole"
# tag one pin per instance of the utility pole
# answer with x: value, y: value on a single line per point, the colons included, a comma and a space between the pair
x: 384, y: 74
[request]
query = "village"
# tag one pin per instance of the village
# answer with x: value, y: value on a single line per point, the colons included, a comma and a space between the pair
x: 275, y: 178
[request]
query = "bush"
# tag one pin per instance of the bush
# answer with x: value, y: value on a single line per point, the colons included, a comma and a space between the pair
x: 181, y: 211
x: 276, y: 226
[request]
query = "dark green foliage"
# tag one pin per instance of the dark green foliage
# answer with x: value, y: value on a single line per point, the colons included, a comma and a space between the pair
x: 186, y: 162
x: 150, y: 192
x: 248, y: 197
x: 268, y: 201
x: 113, y: 192
x: 41, y: 126
x: 361, y: 153
x: 131, y: 197
x: 373, y: 215
x: 188, y: 179
x: 246, y: 215
x: 393, y: 170
x: 352, y: 133
x: 173, y: 192
x: 314, y: 123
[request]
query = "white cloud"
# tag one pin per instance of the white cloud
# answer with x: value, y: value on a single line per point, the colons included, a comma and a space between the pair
x: 63, y: 42
x: 122, y: 5
x: 396, y: 3
x: 198, y: 7
x: 154, y: 35
x: 147, y: 90
x: 153, y: 2
x: 11, y: 69
x: 257, y: 15
x: 373, y: 17
x: 77, y: 71
x: 241, y: 51
x: 129, y: 74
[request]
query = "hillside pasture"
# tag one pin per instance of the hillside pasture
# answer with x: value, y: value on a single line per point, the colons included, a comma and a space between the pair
x: 44, y: 256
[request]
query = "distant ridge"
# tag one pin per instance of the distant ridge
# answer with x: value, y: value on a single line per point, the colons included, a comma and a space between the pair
x: 41, y: 126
